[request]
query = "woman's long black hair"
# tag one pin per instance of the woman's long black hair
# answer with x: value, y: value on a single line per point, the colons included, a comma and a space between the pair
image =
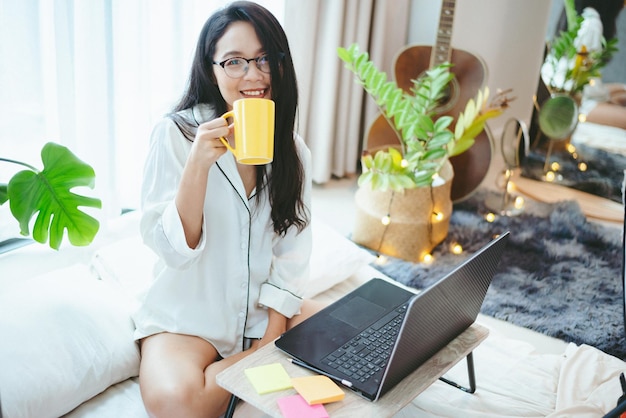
x: 286, y: 179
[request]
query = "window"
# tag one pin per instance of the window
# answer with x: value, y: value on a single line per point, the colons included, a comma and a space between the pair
x: 94, y: 76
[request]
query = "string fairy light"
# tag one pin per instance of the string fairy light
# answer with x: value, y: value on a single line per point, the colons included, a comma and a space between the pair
x: 381, y: 259
x: 437, y: 216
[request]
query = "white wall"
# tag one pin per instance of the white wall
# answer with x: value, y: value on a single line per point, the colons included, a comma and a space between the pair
x: 508, y: 34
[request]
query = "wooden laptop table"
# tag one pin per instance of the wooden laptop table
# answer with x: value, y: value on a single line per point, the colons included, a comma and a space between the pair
x: 234, y: 380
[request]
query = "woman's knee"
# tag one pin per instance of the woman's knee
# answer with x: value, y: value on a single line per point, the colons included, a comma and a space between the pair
x: 182, y: 399
x: 166, y: 399
x: 172, y: 376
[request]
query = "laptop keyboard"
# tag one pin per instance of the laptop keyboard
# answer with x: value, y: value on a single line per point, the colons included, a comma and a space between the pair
x: 366, y: 355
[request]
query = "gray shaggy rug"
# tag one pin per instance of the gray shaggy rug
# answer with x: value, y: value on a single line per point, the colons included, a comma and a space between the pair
x: 560, y: 275
x: 603, y: 177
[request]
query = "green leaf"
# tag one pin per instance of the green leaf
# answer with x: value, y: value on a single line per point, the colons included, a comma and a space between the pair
x: 404, y: 182
x: 367, y: 161
x: 376, y: 182
x: 387, y: 163
x: 472, y: 132
x: 435, y: 154
x: 443, y: 122
x: 4, y: 193
x: 379, y: 159
x: 440, y: 139
x: 461, y: 146
x: 424, y: 178
x: 396, y: 156
x: 365, y: 178
x: 49, y: 195
x: 460, y: 125
x: 358, y: 63
x: 344, y: 55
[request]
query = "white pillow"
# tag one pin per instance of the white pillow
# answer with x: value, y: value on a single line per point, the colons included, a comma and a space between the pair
x: 334, y: 258
x: 66, y: 337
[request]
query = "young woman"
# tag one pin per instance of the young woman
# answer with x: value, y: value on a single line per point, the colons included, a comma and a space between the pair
x: 233, y: 240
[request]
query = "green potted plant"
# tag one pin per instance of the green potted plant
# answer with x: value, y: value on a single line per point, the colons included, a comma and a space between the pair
x: 403, y: 200
x: 48, y: 194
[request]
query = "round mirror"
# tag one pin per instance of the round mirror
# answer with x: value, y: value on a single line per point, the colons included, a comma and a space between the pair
x: 514, y: 142
x: 558, y: 117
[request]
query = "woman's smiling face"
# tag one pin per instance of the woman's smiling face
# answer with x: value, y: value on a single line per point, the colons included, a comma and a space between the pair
x: 240, y: 40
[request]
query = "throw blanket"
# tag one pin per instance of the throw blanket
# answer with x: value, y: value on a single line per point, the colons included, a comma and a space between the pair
x: 560, y: 274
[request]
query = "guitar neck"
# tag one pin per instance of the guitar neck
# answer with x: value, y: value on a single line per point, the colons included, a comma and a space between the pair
x: 441, y: 50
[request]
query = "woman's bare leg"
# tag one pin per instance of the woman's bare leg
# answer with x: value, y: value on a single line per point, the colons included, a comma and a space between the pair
x: 177, y: 376
x: 177, y: 372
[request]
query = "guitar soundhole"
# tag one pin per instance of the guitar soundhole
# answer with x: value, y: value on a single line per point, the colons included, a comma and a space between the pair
x: 449, y: 98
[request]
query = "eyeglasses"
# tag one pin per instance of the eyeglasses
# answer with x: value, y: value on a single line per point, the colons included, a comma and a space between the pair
x: 237, y: 67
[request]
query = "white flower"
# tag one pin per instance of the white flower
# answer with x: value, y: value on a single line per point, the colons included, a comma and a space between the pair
x: 590, y: 32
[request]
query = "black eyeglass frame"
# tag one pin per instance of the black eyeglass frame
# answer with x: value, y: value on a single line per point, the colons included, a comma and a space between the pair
x: 247, y: 67
x: 247, y: 60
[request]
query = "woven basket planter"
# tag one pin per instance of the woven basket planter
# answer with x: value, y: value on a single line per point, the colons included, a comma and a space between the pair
x: 418, y: 218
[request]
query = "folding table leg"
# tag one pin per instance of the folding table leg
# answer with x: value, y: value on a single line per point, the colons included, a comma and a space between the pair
x: 470, y: 372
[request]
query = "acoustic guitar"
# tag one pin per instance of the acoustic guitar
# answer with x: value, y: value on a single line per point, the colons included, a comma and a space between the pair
x: 470, y: 71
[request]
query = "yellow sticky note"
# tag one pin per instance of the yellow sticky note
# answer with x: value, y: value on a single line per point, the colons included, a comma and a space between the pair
x: 269, y: 378
x: 317, y: 389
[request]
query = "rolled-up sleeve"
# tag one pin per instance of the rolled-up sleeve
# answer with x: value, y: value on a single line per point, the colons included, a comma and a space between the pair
x: 161, y: 227
x: 291, y: 255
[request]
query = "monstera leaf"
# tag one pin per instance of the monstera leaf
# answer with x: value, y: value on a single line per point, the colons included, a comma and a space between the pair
x: 48, y: 194
x: 4, y: 193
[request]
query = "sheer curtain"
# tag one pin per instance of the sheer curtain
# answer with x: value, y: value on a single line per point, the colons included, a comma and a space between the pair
x: 334, y: 110
x: 94, y: 76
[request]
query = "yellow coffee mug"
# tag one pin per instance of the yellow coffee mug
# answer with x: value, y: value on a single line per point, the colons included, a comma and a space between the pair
x: 254, y: 131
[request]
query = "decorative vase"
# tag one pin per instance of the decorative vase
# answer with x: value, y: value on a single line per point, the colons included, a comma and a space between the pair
x: 406, y: 225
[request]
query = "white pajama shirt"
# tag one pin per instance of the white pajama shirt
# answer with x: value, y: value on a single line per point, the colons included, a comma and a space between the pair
x: 220, y: 290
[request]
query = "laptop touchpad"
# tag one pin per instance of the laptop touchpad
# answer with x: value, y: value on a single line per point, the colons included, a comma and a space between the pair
x: 358, y: 312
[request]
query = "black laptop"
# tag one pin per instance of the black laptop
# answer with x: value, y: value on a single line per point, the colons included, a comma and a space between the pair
x: 378, y: 334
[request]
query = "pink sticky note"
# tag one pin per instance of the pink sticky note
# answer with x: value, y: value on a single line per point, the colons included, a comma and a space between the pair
x: 296, y: 407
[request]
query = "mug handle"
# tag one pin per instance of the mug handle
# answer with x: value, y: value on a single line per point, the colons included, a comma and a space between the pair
x: 224, y: 140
